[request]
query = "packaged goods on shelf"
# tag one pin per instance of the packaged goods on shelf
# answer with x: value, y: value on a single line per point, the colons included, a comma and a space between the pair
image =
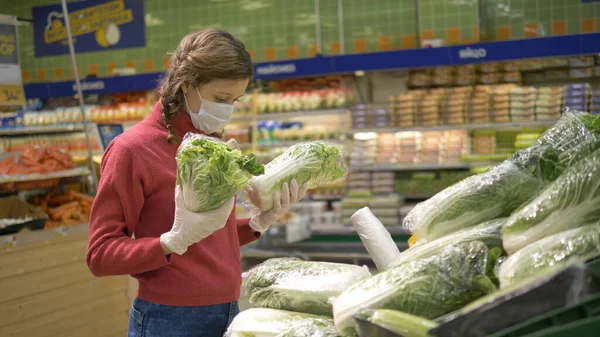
x: 355, y: 200
x: 409, y: 144
x: 303, y: 100
x: 73, y: 142
x: 366, y: 116
x: 522, y: 103
x: 34, y: 160
x: 484, y: 142
x: 240, y: 135
x: 382, y: 182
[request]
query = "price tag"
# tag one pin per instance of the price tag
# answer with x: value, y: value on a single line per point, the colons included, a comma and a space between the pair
x: 61, y: 232
x: 11, y: 95
x: 10, y: 241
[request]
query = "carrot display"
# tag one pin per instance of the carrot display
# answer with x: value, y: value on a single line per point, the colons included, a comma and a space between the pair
x: 65, y: 208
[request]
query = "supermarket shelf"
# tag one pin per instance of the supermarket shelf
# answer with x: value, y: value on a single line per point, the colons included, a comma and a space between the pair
x: 417, y: 195
x: 413, y: 167
x: 32, y: 237
x: 296, y: 114
x: 322, y: 230
x: 487, y: 126
x: 326, y: 197
x: 76, y: 172
x: 41, y: 129
x: 294, y: 142
x: 289, y: 114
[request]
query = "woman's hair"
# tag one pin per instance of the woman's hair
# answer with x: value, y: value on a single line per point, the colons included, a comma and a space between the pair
x: 201, y: 57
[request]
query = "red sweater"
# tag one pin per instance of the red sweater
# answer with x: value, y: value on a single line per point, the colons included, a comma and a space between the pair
x: 136, y: 197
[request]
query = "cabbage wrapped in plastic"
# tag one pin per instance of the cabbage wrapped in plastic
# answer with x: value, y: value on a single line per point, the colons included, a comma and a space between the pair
x: 316, y: 163
x: 401, y: 323
x: 210, y: 172
x: 581, y: 243
x: 296, y: 285
x: 573, y: 200
x: 505, y: 187
x: 429, y: 287
x: 261, y: 322
x: 489, y: 232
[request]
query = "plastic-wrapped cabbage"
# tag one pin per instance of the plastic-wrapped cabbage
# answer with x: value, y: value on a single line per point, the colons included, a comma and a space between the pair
x: 581, y: 243
x: 318, y: 163
x: 210, y: 172
x: 573, y: 200
x: 279, y: 323
x: 401, y: 323
x: 428, y: 287
x: 492, y: 194
x: 505, y: 187
x: 489, y: 232
x: 296, y: 285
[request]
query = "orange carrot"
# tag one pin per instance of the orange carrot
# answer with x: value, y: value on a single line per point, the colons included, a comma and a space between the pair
x: 81, y: 196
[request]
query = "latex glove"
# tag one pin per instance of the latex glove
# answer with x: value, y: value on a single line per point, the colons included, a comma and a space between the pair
x: 190, y: 228
x: 282, y: 202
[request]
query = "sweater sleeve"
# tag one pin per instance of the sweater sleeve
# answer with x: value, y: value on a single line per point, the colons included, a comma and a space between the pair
x: 246, y: 234
x: 114, y: 216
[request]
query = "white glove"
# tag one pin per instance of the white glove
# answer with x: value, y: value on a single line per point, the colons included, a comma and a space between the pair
x: 282, y: 202
x: 190, y: 228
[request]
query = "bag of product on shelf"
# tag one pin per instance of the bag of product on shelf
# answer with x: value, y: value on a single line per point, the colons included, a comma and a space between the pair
x: 297, y: 285
x: 316, y: 163
x: 211, y: 172
x: 502, y: 189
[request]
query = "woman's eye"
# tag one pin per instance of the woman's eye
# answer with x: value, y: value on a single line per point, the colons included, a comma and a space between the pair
x: 221, y: 100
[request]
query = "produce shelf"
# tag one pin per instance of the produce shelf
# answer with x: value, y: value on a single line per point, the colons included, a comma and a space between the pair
x: 41, y: 130
x: 288, y: 143
x: 75, y: 172
x: 413, y: 167
x: 46, y: 235
x: 487, y: 126
x: 290, y: 114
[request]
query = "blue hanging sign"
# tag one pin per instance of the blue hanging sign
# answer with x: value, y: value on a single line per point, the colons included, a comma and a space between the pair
x: 95, y: 24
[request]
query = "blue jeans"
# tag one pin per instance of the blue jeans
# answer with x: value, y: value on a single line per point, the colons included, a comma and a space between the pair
x: 149, y: 319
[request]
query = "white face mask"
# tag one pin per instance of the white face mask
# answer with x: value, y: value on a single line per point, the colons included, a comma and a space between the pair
x: 212, y: 116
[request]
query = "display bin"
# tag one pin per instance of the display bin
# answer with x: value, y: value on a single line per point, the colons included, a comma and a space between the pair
x: 15, y: 208
x: 581, y: 320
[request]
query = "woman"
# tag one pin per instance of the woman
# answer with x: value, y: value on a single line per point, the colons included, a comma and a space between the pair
x: 187, y: 264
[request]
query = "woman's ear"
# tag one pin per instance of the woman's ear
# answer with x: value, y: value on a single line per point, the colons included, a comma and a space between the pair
x: 184, y: 88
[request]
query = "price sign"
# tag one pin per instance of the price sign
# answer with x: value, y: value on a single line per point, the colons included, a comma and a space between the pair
x: 11, y: 84
x: 11, y: 95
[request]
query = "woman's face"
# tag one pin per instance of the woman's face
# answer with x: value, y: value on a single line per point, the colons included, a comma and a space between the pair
x: 220, y: 91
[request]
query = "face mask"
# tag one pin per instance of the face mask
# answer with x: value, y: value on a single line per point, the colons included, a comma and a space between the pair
x: 212, y: 116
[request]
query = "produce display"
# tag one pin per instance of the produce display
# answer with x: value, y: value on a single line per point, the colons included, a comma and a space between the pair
x: 582, y: 243
x: 401, y: 323
x: 261, y: 322
x: 73, y: 142
x: 210, y: 172
x: 302, y: 286
x: 316, y: 163
x: 63, y: 209
x: 429, y: 288
x: 31, y: 161
x: 502, y: 189
x: 489, y: 233
x: 570, y: 201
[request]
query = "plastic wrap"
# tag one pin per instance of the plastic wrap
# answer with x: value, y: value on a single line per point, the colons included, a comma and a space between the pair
x: 505, y: 187
x: 318, y: 163
x: 279, y: 323
x: 428, y: 288
x: 375, y: 237
x: 580, y: 243
x: 489, y: 232
x: 303, y: 286
x: 571, y: 201
x: 558, y: 287
x: 485, y: 196
x: 210, y: 172
x: 396, y: 322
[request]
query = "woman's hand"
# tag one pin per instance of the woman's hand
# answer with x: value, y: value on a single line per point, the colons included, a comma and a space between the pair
x: 282, y: 201
x: 189, y: 227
